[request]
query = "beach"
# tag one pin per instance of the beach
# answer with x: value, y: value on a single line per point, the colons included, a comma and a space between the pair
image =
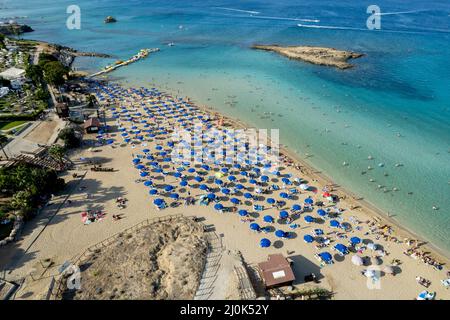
x: 66, y: 236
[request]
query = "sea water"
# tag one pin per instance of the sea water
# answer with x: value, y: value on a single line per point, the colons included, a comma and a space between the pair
x: 387, y: 119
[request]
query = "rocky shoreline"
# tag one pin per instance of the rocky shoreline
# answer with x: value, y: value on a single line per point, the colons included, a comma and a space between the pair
x: 315, y: 55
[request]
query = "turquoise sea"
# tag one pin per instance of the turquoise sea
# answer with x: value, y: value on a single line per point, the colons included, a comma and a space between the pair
x: 393, y: 106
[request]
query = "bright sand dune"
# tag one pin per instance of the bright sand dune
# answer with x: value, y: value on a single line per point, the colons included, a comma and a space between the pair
x: 65, y: 236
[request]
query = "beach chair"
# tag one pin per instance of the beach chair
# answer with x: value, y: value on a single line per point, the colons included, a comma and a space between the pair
x: 293, y: 191
x: 275, y: 187
x: 258, y: 207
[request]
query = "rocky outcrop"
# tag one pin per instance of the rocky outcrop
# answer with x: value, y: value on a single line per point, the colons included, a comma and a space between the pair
x: 12, y: 29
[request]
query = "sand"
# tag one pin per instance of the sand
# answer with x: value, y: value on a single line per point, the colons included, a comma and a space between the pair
x: 316, y: 55
x: 65, y: 235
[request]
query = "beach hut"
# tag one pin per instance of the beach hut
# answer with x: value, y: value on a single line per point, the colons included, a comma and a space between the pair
x: 92, y: 125
x: 276, y: 271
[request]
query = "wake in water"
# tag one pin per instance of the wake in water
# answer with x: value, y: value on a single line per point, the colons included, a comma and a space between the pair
x: 238, y: 10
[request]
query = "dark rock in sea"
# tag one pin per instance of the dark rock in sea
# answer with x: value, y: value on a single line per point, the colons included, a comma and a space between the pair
x: 110, y: 19
x: 13, y: 29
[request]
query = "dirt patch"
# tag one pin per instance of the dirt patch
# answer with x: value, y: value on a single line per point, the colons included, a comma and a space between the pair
x: 161, y: 261
x: 43, y: 132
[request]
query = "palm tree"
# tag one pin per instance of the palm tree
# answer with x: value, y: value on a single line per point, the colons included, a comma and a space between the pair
x: 3, y: 140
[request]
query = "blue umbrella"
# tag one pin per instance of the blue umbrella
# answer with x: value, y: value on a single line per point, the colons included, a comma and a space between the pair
x: 253, y: 181
x: 183, y: 183
x: 248, y: 195
x: 211, y: 196
x: 203, y: 187
x: 308, y: 238
x: 234, y: 200
x: 140, y: 166
x: 280, y: 233
x: 284, y: 195
x: 265, y: 243
x: 158, y: 201
x: 168, y: 188
x: 146, y: 150
x: 326, y: 257
x: 264, y: 178
x: 309, y: 219
x: 174, y: 196
x: 198, y: 179
x: 231, y: 178
x: 341, y: 248
x: 321, y: 212
x: 255, y: 226
x: 178, y: 175
x: 143, y: 174
x: 218, y: 181
x: 191, y: 170
x: 224, y: 170
x: 270, y: 200
x: 284, y: 214
x: 318, y: 232
x: 218, y: 206
x: 296, y: 207
x: 334, y: 224
x: 243, y: 213
x: 239, y: 186
x: 309, y: 201
x: 355, y: 240
x: 148, y: 183
x: 153, y: 192
x: 268, y: 219
x: 286, y: 181
x: 205, y: 167
x: 225, y: 191
x: 136, y: 161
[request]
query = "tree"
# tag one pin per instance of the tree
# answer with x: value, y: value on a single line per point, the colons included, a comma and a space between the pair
x: 3, y: 140
x: 35, y: 73
x: 57, y: 152
x: 54, y: 73
x: 69, y: 137
x: 23, y: 202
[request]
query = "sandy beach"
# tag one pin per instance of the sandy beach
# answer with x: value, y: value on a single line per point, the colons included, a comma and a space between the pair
x: 59, y: 233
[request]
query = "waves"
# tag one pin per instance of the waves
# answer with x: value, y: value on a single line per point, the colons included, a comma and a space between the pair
x: 329, y: 27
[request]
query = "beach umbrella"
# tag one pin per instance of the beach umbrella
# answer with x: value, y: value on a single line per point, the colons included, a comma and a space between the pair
x: 280, y: 233
x: 168, y: 188
x: 225, y: 191
x: 253, y: 181
x: 152, y: 192
x: 304, y: 186
x: 174, y: 196
x: 308, y: 219
x: 140, y: 166
x: 205, y: 167
x: 218, y: 206
x: 334, y: 224
x: 357, y: 260
x: 255, y: 226
x: 148, y: 183
x: 203, y: 187
x: 326, y: 257
x: 341, y: 248
x: 286, y: 181
x: 243, y: 213
x: 372, y: 246
x: 211, y: 196
x: 177, y: 174
x: 389, y: 270
x: 235, y: 200
x: 146, y: 150
x: 284, y: 214
x: 183, y: 183
x: 296, y: 207
x: 218, y: 182
x: 198, y: 179
x: 355, y: 240
x: 370, y: 273
x: 248, y: 195
x: 265, y: 243
x: 284, y: 195
x: 321, y: 212
x: 224, y: 170
x: 270, y: 200
x: 268, y: 219
x: 136, y: 161
x: 231, y: 178
x: 191, y: 170
x: 143, y: 174
x: 308, y: 238
x: 158, y: 201
x: 309, y: 201
x: 264, y: 178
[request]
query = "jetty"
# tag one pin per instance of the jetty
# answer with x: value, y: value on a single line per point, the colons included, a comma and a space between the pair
x: 143, y: 53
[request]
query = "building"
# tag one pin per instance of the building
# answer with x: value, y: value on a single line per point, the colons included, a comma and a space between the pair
x: 15, y: 75
x: 276, y: 271
x: 92, y: 125
x: 62, y: 110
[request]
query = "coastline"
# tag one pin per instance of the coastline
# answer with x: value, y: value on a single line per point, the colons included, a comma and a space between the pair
x: 322, y: 179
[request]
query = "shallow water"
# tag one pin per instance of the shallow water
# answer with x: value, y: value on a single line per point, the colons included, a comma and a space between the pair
x: 393, y: 106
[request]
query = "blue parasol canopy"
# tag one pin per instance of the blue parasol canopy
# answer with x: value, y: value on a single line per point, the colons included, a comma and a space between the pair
x: 235, y: 200
x: 321, y: 212
x: 248, y: 195
x: 308, y: 238
x: 225, y: 191
x: 309, y: 201
x: 255, y: 226
x: 148, y: 183
x: 239, y: 186
x: 309, y: 219
x: 341, y: 248
x: 326, y: 257
x: 203, y: 187
x: 334, y: 224
x: 284, y: 214
x: 280, y: 233
x: 168, y: 188
x: 296, y: 207
x: 211, y: 196
x: 264, y: 178
x: 143, y: 174
x: 174, y: 196
x: 270, y: 200
x: 153, y: 192
x: 268, y: 219
x: 243, y: 213
x: 198, y: 179
x: 355, y: 240
x: 265, y: 243
x: 218, y: 206
x: 183, y: 183
x: 284, y: 195
x: 158, y: 201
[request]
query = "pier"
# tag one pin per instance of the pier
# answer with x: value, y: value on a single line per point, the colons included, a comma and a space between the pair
x: 141, y: 55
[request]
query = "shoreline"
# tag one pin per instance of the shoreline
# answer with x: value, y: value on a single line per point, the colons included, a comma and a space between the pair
x: 368, y: 208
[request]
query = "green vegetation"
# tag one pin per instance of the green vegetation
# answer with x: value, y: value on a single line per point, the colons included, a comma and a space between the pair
x: 312, y: 294
x: 11, y: 124
x: 71, y: 140
x: 28, y: 185
x: 55, y: 73
x: 57, y: 152
x: 3, y: 140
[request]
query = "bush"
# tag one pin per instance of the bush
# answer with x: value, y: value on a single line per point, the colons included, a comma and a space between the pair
x: 70, y: 138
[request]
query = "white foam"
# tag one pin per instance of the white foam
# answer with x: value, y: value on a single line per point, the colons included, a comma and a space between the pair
x: 239, y: 10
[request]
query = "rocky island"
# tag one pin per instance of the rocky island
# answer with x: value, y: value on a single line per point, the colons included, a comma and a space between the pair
x: 316, y: 55
x: 110, y: 19
x: 12, y: 29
